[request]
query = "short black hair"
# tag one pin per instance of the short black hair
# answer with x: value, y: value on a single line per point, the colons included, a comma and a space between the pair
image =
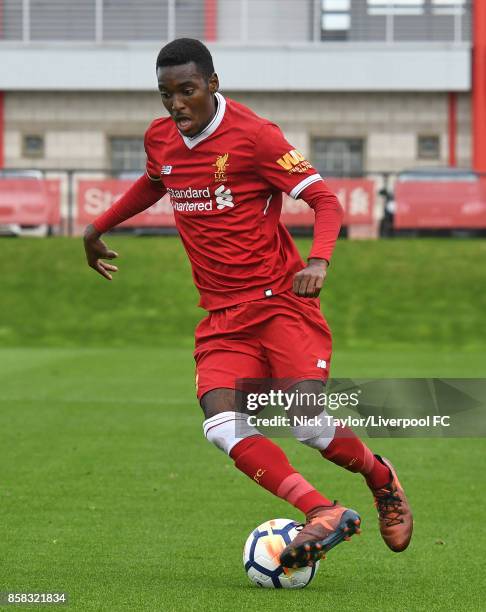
x: 185, y: 50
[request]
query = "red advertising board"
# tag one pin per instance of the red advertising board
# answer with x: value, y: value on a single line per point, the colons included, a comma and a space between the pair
x: 29, y: 201
x: 355, y: 195
x: 53, y: 189
x: 442, y: 204
x: 95, y: 196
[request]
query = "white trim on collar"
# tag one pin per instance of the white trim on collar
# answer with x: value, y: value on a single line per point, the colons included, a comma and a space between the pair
x: 213, y: 125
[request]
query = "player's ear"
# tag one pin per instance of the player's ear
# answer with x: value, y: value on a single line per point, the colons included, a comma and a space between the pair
x: 213, y: 83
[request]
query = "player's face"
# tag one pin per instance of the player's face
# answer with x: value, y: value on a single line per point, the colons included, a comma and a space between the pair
x: 188, y: 96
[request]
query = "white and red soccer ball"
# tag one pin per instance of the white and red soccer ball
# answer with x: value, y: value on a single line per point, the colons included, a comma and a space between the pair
x: 262, y: 552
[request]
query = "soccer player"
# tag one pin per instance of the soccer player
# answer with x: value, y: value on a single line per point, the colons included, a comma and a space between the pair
x: 225, y: 169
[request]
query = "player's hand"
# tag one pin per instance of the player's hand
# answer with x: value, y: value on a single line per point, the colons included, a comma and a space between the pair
x: 308, y: 282
x: 96, y: 250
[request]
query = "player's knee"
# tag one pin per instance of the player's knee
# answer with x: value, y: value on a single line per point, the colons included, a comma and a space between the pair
x: 316, y: 432
x: 219, y: 400
x: 226, y: 429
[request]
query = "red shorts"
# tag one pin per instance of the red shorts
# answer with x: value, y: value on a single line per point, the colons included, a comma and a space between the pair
x: 283, y: 336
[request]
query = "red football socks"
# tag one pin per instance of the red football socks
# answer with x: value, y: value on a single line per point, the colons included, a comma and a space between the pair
x: 347, y: 451
x: 266, y: 464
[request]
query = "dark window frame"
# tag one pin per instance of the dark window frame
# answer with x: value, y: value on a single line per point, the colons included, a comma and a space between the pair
x: 421, y: 153
x: 359, y: 140
x: 129, y: 167
x: 32, y: 153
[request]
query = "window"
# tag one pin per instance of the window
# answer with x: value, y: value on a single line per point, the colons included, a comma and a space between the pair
x: 33, y: 145
x: 127, y: 154
x: 338, y: 156
x: 336, y: 5
x: 335, y: 19
x: 428, y: 147
x: 448, y: 7
x: 395, y: 7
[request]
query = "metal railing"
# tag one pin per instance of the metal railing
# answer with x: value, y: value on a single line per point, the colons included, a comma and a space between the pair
x: 70, y: 199
x: 243, y: 22
x: 375, y: 204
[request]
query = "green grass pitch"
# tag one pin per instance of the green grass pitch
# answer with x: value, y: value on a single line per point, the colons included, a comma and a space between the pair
x: 108, y: 490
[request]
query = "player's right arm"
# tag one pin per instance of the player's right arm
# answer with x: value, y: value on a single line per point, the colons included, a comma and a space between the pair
x: 142, y: 194
x: 145, y: 192
x: 96, y: 250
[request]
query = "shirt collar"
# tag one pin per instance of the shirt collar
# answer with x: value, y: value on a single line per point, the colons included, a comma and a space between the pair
x: 213, y: 125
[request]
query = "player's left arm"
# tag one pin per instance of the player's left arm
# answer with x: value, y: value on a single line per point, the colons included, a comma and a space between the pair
x: 287, y: 169
x: 328, y: 218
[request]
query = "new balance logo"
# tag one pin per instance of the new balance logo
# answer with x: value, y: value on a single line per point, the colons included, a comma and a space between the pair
x: 321, y: 363
x: 166, y: 170
x: 223, y: 197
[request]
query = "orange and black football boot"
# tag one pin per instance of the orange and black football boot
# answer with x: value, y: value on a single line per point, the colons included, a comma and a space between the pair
x: 394, y: 513
x: 325, y: 527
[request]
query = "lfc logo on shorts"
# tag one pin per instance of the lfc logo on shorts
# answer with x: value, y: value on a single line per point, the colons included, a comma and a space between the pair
x: 259, y: 473
x: 221, y: 165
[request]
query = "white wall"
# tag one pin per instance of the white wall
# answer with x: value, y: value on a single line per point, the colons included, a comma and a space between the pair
x: 297, y: 67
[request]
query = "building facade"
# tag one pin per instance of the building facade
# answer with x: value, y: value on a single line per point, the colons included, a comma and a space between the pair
x: 360, y: 86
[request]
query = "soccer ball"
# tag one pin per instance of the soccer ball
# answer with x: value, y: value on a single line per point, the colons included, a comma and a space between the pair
x: 261, y: 556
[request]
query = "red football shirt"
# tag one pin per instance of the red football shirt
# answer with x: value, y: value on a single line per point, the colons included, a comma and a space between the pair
x: 225, y: 186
